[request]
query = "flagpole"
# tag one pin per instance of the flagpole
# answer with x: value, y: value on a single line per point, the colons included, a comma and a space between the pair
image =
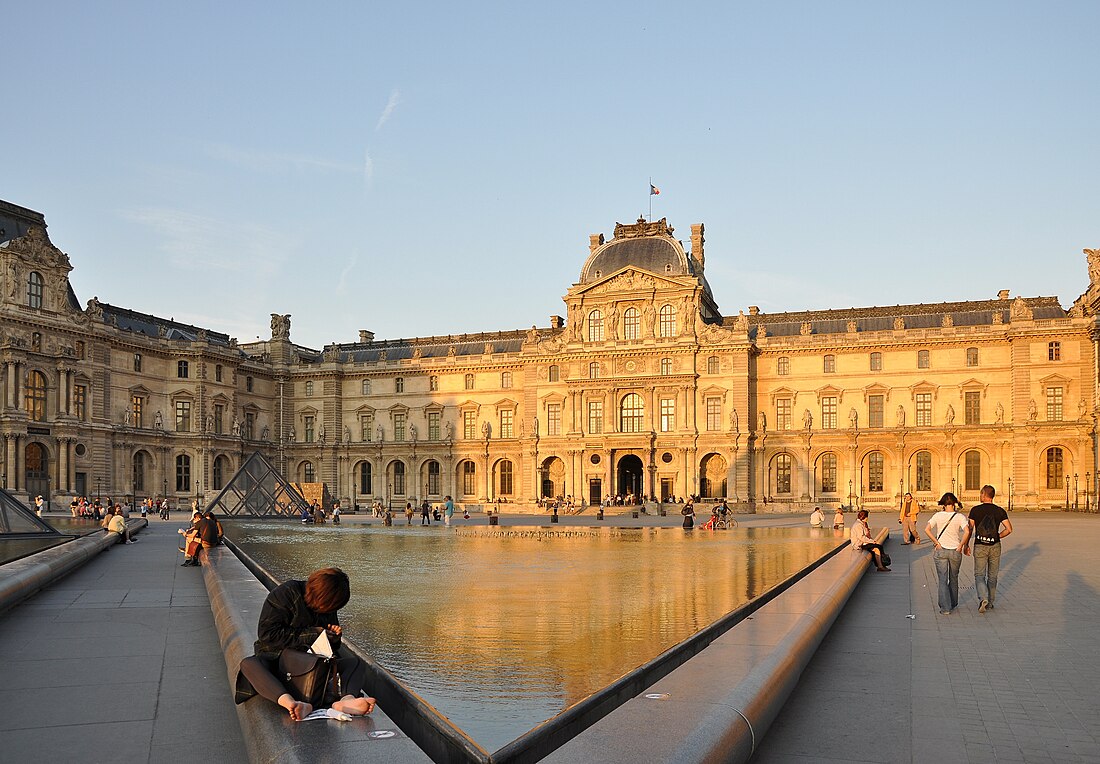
x: 650, y: 199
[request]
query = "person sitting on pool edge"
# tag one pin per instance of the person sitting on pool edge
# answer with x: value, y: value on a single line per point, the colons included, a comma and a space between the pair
x: 293, y: 616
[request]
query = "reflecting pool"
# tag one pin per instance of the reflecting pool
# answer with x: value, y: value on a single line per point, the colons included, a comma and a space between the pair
x: 503, y: 628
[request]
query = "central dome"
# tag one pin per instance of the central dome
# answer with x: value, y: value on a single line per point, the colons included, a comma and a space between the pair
x: 643, y: 245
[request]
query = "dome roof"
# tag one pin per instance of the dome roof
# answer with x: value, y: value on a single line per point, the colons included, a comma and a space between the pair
x: 647, y: 246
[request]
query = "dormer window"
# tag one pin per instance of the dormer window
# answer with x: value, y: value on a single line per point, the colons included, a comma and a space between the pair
x: 34, y: 290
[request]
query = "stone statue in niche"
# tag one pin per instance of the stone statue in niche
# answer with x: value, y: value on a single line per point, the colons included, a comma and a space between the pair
x: 901, y: 415
x: 853, y: 418
x: 1032, y: 411
x: 734, y: 425
x: 949, y: 415
x: 1000, y: 413
x: 280, y: 326
x: 807, y: 420
x: 158, y: 421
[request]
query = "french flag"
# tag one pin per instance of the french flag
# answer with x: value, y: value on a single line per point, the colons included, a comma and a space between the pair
x: 653, y: 190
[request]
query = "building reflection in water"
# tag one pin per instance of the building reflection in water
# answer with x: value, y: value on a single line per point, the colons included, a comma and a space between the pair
x: 502, y: 629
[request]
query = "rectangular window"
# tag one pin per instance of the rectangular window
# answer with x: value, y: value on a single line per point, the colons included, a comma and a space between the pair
x: 595, y: 417
x: 1054, y: 404
x: 433, y: 425
x: 433, y: 478
x: 506, y: 428
x: 783, y: 366
x: 80, y: 401
x: 399, y: 384
x: 554, y: 374
x: 714, y: 414
x: 219, y: 419
x: 971, y: 356
x: 248, y: 384
x: 1054, y: 351
x: 309, y: 387
x: 366, y: 387
x: 399, y: 426
x: 183, y: 474
x: 924, y: 410
x: 218, y: 373
x: 137, y: 361
x: 830, y: 364
x: 309, y: 421
x: 876, y: 405
x: 923, y: 361
x: 506, y: 379
x: 828, y: 473
x: 874, y: 472
x: 668, y: 414
x: 183, y: 416
x: 469, y: 425
x: 182, y: 369
x: 973, y: 474
x: 469, y: 478
x: 783, y: 414
x: 783, y: 473
x: 924, y: 471
x: 828, y: 412
x: 972, y: 407
x: 553, y: 419
x: 366, y: 428
x: 876, y: 361
x: 249, y: 425
x: 137, y: 406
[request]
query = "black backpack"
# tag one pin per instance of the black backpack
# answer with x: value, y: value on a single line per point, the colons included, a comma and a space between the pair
x: 987, y: 531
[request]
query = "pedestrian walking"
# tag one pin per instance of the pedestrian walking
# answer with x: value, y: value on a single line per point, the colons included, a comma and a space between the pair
x: 989, y: 524
x: 949, y: 533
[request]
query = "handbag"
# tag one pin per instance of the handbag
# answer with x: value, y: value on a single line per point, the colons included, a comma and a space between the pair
x: 309, y: 678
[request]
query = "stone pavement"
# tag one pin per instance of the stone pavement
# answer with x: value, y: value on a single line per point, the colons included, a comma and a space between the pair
x: 1018, y: 684
x: 118, y: 662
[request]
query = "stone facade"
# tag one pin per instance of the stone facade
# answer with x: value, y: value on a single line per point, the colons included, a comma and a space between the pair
x: 644, y: 388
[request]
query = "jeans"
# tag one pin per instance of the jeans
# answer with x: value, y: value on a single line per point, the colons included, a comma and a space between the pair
x: 987, y: 562
x: 948, y: 562
x: 909, y: 531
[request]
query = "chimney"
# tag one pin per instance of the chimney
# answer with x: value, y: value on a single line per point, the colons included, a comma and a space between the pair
x: 365, y: 336
x: 595, y: 241
x: 697, y: 245
x: 556, y: 322
x: 1002, y: 295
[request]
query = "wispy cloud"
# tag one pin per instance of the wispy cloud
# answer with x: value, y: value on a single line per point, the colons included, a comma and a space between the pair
x: 395, y: 98
x: 274, y: 161
x: 196, y: 242
x: 368, y: 168
x: 342, y: 280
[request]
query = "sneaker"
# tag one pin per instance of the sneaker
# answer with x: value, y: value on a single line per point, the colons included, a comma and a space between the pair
x: 984, y: 606
x: 945, y: 612
x: 989, y: 606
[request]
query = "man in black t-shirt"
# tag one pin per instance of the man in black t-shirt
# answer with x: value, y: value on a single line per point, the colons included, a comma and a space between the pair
x: 988, y: 525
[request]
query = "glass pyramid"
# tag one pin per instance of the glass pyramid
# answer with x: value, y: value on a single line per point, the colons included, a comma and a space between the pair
x: 258, y: 489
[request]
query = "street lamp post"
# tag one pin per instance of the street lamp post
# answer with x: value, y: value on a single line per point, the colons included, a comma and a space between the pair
x: 1010, y: 494
x: 849, y: 495
x: 1075, y: 494
x: 1088, y: 492
x: 1067, y: 492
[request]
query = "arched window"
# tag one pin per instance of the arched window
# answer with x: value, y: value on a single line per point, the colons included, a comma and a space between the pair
x: 34, y: 290
x: 469, y: 478
x: 139, y: 472
x: 630, y: 324
x: 666, y: 325
x: 1055, y: 469
x: 366, y: 484
x: 924, y: 471
x: 875, y: 464
x: 433, y: 478
x: 504, y: 488
x: 631, y: 413
x: 399, y: 478
x: 828, y: 473
x: 666, y: 367
x: 595, y: 326
x: 183, y: 473
x: 783, y: 473
x: 712, y: 365
x: 972, y: 465
x: 308, y: 475
x: 35, y: 396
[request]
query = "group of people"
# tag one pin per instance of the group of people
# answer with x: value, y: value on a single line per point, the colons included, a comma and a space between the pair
x: 316, y: 514
x: 205, y: 532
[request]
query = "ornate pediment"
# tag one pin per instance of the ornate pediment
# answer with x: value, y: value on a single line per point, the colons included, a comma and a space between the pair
x: 643, y: 229
x: 35, y: 248
x: 629, y: 280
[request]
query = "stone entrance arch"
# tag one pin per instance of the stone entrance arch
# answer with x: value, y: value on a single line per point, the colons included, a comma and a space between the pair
x: 630, y: 476
x: 552, y: 482
x: 712, y: 476
x: 36, y: 461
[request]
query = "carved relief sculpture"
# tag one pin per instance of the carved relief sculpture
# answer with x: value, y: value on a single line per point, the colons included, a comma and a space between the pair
x: 1093, y: 256
x: 1020, y: 310
x: 280, y: 326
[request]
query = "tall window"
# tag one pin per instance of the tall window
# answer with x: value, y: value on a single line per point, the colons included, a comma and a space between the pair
x: 923, y: 361
x: 248, y: 383
x: 631, y: 413
x: 137, y: 361
x: 366, y: 388
x: 249, y: 426
x: 182, y: 369
x: 469, y: 425
x: 218, y: 373
x: 433, y: 478
x: 366, y: 486
x: 468, y: 381
x: 828, y: 412
x: 34, y: 397
x: 714, y: 414
x: 828, y: 473
x: 308, y: 424
x: 783, y: 366
x: 137, y: 408
x: 924, y: 410
x: 183, y: 473
x: 972, y: 461
x: 924, y: 470
x: 399, y: 384
x: 1054, y: 351
x: 554, y: 374
x: 183, y: 416
x: 507, y: 417
x: 219, y: 419
x: 308, y: 474
x: 433, y: 383
x: 399, y: 426
x: 34, y: 290
x: 668, y: 414
x: 595, y: 326
x: 666, y: 326
x: 139, y: 471
x: 971, y: 356
x: 506, y: 379
x: 630, y: 324
x: 80, y: 401
x: 829, y: 364
x: 666, y: 367
x: 874, y: 472
x: 433, y: 425
x: 875, y: 408
x: 219, y: 473
x: 1054, y: 404
x: 783, y: 473
x: 553, y: 419
x: 366, y: 428
x: 972, y: 407
x: 309, y: 387
x: 469, y: 478
x: 505, y: 487
x: 783, y: 414
x: 1054, y: 468
x: 712, y: 365
x: 595, y: 417
x: 36, y: 341
x: 399, y: 478
x: 876, y: 361
x: 593, y: 370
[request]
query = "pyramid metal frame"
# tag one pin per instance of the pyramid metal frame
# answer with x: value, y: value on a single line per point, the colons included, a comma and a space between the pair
x: 16, y: 519
x: 258, y: 489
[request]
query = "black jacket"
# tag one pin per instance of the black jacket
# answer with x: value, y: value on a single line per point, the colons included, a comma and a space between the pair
x: 286, y: 621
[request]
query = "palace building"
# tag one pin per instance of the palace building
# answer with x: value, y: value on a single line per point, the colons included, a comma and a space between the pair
x: 643, y: 388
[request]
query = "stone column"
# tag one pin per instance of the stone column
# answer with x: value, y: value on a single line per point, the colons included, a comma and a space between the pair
x: 10, y: 368
x: 17, y: 399
x: 13, y: 461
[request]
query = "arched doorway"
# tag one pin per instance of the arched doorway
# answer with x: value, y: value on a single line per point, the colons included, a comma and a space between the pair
x: 37, y: 463
x: 630, y: 478
x: 553, y: 478
x: 712, y: 480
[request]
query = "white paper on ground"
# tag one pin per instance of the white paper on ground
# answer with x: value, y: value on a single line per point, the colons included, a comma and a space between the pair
x: 329, y: 713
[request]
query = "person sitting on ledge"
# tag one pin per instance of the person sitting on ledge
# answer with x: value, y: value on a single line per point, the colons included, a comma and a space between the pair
x: 293, y: 616
x: 117, y: 524
x: 861, y: 539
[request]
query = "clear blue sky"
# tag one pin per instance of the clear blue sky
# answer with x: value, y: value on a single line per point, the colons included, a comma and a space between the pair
x: 428, y: 168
